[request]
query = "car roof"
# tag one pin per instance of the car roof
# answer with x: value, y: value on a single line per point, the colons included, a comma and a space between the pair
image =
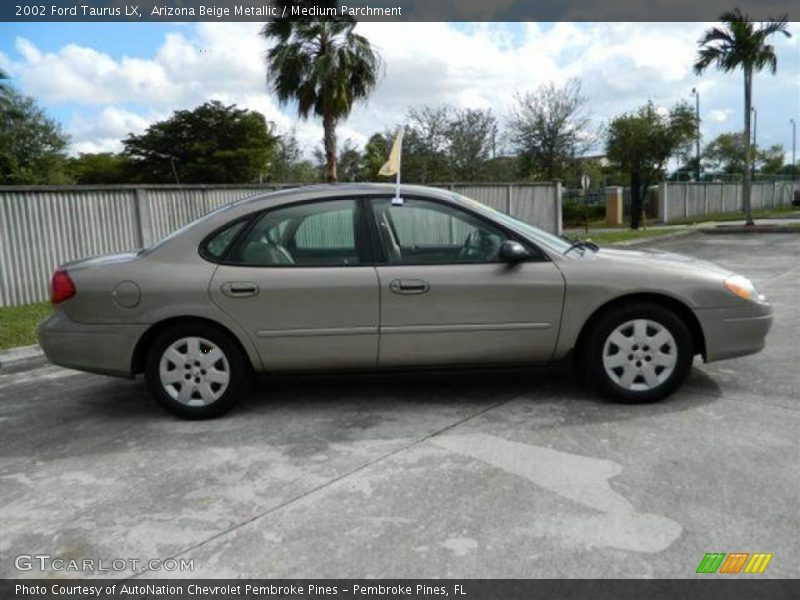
x: 344, y: 189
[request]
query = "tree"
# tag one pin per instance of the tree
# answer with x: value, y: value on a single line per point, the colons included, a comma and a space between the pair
x: 212, y: 143
x: 501, y: 168
x: 325, y: 67
x: 375, y: 154
x: 288, y: 165
x: 426, y: 144
x: 32, y: 145
x: 549, y: 128
x: 739, y: 43
x: 350, y: 162
x: 3, y: 79
x: 726, y: 154
x: 770, y: 160
x: 687, y: 168
x: 641, y: 143
x: 101, y: 168
x: 472, y: 135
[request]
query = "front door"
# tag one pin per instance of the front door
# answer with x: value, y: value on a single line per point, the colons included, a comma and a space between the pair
x: 301, y: 282
x: 447, y: 299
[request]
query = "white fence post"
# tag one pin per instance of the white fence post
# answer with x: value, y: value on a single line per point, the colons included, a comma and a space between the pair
x: 663, y: 203
x: 559, y: 224
x: 143, y: 218
x: 685, y: 200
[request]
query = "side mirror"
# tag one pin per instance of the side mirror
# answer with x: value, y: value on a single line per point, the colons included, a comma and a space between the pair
x: 512, y: 252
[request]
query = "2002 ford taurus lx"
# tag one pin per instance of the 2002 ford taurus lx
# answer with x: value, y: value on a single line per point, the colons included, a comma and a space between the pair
x: 345, y: 277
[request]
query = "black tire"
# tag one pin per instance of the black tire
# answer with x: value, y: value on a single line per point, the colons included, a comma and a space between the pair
x: 236, y: 364
x: 595, y: 344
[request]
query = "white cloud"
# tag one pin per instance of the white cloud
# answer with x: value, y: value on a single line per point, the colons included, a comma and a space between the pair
x: 621, y: 65
x: 719, y: 116
x: 182, y: 71
x: 103, y: 132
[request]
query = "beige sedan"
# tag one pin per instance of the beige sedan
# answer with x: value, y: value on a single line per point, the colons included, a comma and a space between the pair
x: 347, y: 278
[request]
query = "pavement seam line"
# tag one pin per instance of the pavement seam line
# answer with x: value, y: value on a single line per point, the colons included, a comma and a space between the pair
x: 333, y: 481
x: 779, y: 275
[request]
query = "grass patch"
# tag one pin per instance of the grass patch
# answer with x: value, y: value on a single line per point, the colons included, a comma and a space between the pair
x: 615, y: 237
x: 18, y: 324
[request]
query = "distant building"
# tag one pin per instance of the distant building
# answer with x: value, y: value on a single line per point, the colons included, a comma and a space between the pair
x: 600, y: 159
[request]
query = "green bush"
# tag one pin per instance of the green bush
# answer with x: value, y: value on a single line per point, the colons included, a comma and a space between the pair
x: 577, y: 213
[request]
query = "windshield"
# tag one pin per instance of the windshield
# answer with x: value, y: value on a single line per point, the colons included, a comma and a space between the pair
x: 553, y: 242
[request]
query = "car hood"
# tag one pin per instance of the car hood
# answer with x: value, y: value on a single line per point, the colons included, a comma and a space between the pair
x: 644, y: 258
x: 106, y: 259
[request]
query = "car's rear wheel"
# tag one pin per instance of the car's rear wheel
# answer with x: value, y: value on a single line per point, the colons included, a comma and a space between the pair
x: 638, y: 353
x: 196, y: 371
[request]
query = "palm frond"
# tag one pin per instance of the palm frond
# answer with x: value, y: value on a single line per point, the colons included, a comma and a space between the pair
x: 739, y: 44
x: 322, y: 65
x: 773, y: 26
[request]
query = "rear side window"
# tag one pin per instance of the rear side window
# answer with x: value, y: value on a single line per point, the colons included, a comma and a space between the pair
x: 218, y: 245
x: 302, y: 235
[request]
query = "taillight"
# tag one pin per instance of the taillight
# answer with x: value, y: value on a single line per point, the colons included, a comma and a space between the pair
x: 61, y: 287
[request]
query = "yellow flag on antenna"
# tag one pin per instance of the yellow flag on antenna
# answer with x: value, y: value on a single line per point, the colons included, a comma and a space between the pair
x: 392, y: 166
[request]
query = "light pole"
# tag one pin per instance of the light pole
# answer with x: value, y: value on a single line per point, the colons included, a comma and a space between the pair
x: 171, y: 160
x: 794, y: 137
x: 697, y: 140
x: 755, y: 144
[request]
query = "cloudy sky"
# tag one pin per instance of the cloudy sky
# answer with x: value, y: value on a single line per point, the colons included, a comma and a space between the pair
x: 104, y: 80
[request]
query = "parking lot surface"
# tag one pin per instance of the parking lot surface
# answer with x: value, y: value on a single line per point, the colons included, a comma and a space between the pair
x: 501, y: 474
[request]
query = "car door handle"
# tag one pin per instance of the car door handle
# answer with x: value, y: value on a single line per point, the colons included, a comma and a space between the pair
x: 239, y: 289
x: 409, y: 286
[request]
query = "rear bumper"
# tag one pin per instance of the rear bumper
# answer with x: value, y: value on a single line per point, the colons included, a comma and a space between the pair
x: 106, y: 349
x: 736, y: 331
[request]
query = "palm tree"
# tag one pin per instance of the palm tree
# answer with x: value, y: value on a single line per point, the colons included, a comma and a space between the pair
x: 325, y: 67
x: 741, y: 44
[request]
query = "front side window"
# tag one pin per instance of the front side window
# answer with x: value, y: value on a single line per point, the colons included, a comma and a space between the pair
x: 426, y: 232
x: 539, y: 236
x: 312, y: 234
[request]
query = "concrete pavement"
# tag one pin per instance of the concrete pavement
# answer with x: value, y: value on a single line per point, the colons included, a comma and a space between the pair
x: 469, y: 475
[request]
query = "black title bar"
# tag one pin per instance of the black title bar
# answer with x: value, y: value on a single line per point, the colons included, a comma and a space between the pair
x: 711, y: 587
x: 143, y: 11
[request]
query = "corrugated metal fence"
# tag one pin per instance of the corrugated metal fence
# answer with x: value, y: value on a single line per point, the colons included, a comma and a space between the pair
x: 683, y: 200
x: 43, y: 227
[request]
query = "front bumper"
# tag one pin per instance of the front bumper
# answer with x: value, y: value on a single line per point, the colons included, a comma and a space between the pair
x: 106, y: 349
x: 735, y: 331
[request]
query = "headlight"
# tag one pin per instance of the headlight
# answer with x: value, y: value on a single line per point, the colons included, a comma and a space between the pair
x: 744, y: 288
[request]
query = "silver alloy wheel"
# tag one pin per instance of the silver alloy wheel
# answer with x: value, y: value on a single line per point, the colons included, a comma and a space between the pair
x: 194, y: 371
x: 640, y: 355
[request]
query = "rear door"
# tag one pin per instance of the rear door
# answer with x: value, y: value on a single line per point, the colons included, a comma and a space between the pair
x: 300, y: 280
x: 447, y: 299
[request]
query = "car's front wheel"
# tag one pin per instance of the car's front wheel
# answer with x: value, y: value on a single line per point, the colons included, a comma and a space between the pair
x: 196, y: 371
x: 638, y: 353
